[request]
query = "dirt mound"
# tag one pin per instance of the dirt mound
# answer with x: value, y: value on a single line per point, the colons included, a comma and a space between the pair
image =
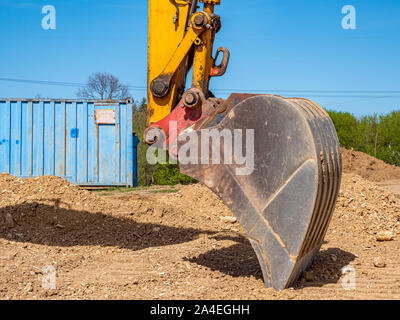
x: 38, y: 197
x: 368, y: 167
x: 49, y: 208
x: 365, y: 208
x: 14, y: 190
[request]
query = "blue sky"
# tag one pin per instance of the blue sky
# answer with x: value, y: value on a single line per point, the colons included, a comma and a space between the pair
x: 293, y: 45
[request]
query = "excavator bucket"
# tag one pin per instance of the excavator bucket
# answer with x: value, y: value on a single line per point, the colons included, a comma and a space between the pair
x: 286, y: 202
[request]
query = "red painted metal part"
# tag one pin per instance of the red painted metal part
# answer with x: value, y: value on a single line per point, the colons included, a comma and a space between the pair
x: 218, y: 71
x: 181, y: 118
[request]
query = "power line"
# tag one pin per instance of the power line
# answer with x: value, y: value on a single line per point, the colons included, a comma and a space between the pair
x: 56, y: 83
x: 60, y: 83
x: 372, y: 94
x: 314, y: 91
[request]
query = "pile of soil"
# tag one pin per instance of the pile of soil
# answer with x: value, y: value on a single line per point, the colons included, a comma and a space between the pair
x: 367, y: 209
x: 368, y: 167
x: 45, y: 188
x: 185, y: 244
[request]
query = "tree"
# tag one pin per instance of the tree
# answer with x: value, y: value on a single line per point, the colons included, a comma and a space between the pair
x: 103, y: 86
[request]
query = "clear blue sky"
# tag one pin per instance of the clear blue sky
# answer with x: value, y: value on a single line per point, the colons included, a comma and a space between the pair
x: 275, y: 45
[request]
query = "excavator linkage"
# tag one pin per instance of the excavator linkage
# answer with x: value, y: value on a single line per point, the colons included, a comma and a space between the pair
x: 286, y: 203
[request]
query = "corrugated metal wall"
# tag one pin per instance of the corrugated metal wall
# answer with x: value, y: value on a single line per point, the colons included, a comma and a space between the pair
x: 85, y: 142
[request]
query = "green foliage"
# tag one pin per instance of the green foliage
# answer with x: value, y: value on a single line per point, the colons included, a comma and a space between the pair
x: 346, y: 127
x: 376, y: 135
x: 160, y: 174
x: 169, y: 174
x: 145, y: 170
x: 389, y: 138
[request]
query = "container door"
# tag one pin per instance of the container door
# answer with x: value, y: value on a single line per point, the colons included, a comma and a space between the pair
x: 107, y: 136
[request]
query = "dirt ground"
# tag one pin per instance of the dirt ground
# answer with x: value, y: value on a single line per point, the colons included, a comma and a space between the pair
x: 182, y: 243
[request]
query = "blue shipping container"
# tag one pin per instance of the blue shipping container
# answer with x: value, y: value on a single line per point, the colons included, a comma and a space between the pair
x: 89, y: 143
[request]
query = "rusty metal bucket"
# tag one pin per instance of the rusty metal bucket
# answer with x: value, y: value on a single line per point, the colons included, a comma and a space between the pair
x: 286, y: 203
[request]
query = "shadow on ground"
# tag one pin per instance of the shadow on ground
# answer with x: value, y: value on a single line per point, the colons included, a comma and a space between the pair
x: 240, y: 260
x: 326, y: 268
x: 52, y: 225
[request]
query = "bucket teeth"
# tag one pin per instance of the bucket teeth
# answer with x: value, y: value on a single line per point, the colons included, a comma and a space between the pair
x: 286, y: 203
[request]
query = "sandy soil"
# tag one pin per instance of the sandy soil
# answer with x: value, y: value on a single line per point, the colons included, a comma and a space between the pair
x: 184, y: 244
x: 368, y: 167
x: 391, y: 186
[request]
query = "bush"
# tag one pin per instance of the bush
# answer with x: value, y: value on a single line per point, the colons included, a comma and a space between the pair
x: 145, y: 170
x: 169, y: 174
x: 389, y: 138
x: 161, y: 174
x: 346, y: 128
x: 376, y: 135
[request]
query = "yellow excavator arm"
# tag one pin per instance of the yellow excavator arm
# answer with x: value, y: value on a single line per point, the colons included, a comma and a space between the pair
x: 180, y: 37
x: 285, y: 196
